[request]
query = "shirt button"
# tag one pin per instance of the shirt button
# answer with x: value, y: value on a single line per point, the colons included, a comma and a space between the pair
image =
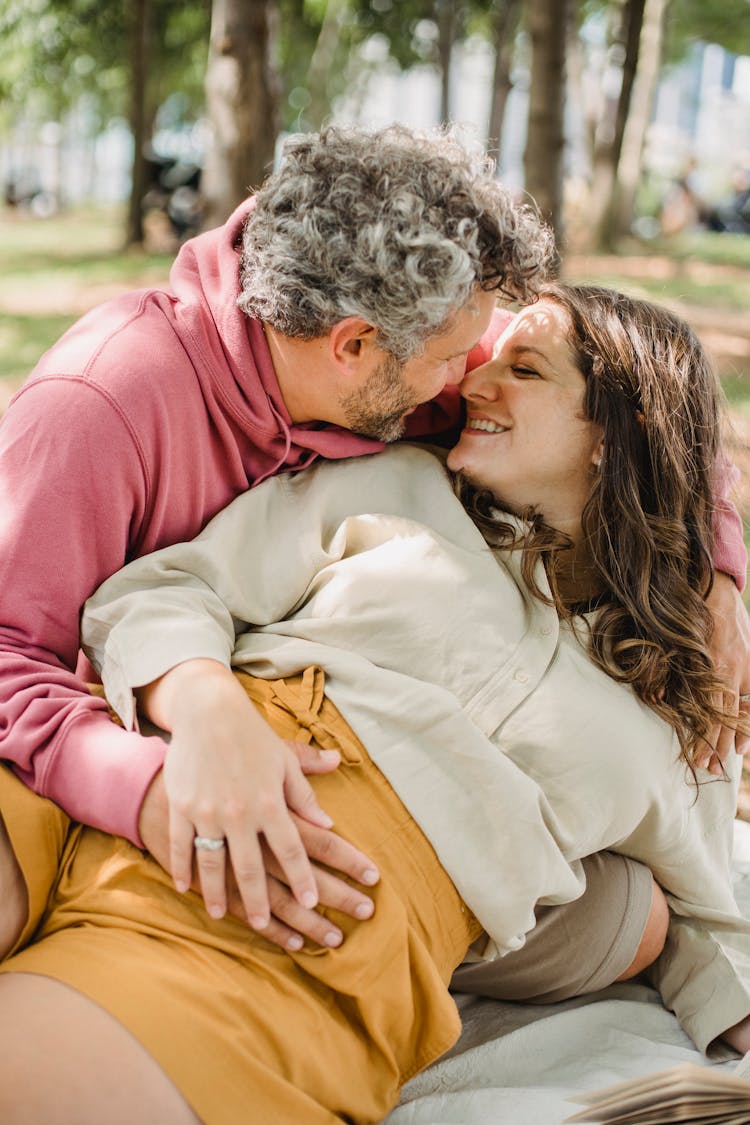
x: 546, y: 630
x: 521, y: 677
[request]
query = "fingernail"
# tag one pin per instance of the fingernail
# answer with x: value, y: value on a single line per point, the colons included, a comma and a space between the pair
x: 324, y: 820
x: 370, y: 876
x: 333, y: 939
x: 295, y: 943
x: 330, y: 755
x: 364, y: 910
x: 216, y: 911
x: 259, y: 921
x: 181, y: 886
x: 309, y: 900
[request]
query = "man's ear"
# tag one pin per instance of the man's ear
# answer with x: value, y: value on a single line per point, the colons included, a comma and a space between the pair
x: 351, y: 342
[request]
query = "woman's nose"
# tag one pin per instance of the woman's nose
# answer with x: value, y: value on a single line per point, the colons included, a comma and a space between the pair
x: 481, y: 383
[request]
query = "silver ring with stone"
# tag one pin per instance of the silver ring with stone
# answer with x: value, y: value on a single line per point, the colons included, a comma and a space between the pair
x: 209, y: 843
x: 745, y: 698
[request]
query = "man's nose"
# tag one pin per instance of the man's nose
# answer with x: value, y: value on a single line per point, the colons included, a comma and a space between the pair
x: 456, y: 371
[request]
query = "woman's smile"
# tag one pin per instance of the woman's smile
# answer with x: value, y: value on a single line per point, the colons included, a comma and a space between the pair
x: 485, y: 425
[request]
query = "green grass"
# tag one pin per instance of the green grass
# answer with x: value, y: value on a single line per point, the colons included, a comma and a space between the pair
x: 24, y: 338
x: 710, y: 247
x: 731, y: 294
x: 52, y: 270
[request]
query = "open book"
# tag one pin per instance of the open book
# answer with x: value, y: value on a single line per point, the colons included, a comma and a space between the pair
x: 686, y: 1093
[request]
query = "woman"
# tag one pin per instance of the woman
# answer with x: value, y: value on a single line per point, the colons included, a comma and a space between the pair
x: 522, y: 708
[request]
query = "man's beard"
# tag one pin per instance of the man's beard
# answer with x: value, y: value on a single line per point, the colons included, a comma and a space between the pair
x: 377, y: 409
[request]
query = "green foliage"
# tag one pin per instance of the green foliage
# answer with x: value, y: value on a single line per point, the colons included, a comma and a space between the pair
x: 53, y: 53
x: 690, y: 21
x: 410, y: 26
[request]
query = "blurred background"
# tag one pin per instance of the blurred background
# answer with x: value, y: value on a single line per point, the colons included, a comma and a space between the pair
x: 617, y: 116
x: 127, y: 127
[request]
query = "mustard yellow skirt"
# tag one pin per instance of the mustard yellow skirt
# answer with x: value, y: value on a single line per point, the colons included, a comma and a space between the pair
x: 246, y: 1031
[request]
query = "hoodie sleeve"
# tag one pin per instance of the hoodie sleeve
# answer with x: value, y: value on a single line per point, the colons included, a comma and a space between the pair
x: 73, y: 488
x: 703, y: 974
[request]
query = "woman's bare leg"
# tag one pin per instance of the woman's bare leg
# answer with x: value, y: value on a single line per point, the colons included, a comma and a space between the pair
x: 13, y: 896
x: 653, y: 937
x: 65, y: 1061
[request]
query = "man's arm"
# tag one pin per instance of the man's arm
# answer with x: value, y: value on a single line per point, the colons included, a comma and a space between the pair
x: 72, y: 487
x: 73, y: 490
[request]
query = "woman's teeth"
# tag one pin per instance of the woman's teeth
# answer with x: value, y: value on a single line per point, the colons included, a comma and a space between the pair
x: 484, y: 424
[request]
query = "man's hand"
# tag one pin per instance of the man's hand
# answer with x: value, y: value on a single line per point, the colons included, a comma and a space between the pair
x: 730, y: 649
x: 289, y: 922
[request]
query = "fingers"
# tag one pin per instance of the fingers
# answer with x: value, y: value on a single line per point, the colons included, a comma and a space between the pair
x: 312, y: 760
x: 300, y: 798
x: 338, y: 895
x: 724, y: 744
x: 723, y: 739
x: 284, y: 842
x: 335, y: 852
x: 181, y: 849
x: 742, y: 741
x: 333, y: 892
x: 308, y: 924
x: 250, y: 876
x: 211, y: 864
x: 277, y: 932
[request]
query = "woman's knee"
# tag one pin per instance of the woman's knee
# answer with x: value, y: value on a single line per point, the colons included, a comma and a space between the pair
x: 653, y: 937
x: 13, y: 895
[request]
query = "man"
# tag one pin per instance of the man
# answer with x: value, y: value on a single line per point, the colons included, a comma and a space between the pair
x: 314, y: 323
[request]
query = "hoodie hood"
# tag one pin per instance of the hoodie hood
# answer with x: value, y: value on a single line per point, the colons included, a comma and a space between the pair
x: 205, y: 280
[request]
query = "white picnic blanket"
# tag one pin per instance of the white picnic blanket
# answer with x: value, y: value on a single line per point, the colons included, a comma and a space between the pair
x: 518, y: 1064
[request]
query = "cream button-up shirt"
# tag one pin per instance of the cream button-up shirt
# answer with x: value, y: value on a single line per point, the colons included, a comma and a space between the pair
x: 514, y: 753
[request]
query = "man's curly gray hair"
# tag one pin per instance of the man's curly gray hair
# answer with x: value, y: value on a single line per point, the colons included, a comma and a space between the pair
x: 391, y: 226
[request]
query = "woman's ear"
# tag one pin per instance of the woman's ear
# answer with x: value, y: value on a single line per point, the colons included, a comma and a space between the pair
x: 596, y: 457
x: 351, y: 342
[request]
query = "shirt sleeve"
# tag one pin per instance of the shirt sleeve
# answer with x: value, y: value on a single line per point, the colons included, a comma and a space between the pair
x: 703, y: 974
x: 190, y: 600
x: 72, y: 487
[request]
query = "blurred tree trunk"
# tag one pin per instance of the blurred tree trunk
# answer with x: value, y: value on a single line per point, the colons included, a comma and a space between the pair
x: 242, y: 102
x: 448, y: 17
x: 543, y: 159
x: 504, y: 28
x: 649, y: 67
x: 321, y: 62
x: 608, y: 146
x: 140, y: 52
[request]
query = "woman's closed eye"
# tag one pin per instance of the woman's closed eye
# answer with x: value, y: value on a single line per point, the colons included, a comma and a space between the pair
x: 523, y: 372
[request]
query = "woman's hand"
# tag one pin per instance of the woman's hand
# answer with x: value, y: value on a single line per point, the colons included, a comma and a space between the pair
x: 739, y: 1036
x: 290, y: 923
x: 730, y: 649
x: 228, y: 775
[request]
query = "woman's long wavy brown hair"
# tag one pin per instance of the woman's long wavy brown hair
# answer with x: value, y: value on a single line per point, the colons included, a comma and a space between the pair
x: 648, y: 520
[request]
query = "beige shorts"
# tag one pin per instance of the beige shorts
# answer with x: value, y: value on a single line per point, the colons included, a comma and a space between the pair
x: 578, y: 947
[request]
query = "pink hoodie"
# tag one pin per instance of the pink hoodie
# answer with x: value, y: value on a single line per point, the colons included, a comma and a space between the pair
x: 147, y: 417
